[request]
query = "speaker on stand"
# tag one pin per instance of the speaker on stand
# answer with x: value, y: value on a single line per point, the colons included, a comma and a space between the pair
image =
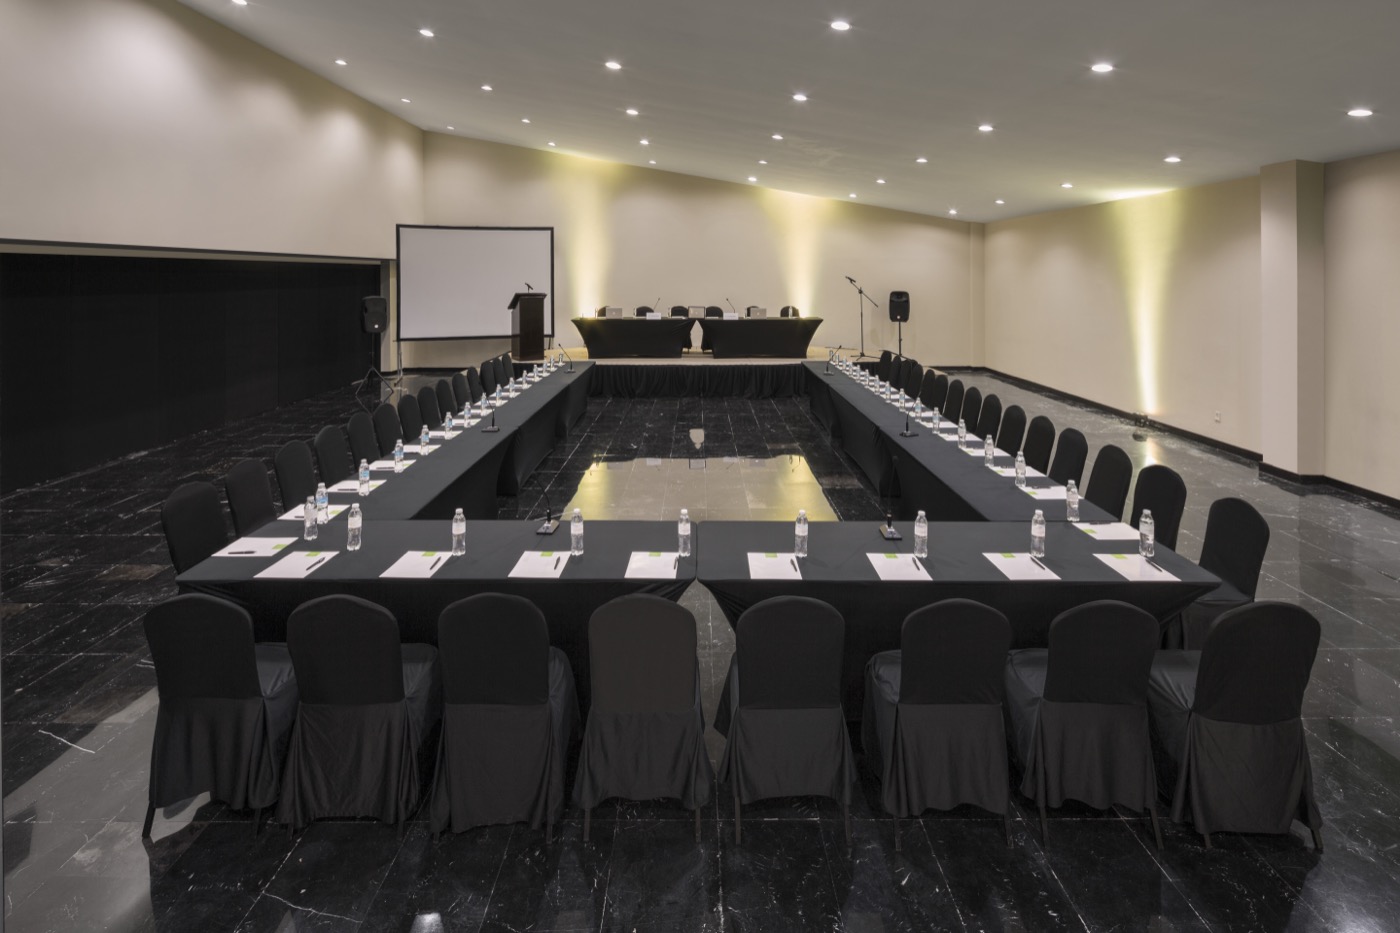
x: 899, y: 313
x: 374, y: 318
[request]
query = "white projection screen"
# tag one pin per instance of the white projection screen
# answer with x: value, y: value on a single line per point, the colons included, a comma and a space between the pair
x: 456, y: 282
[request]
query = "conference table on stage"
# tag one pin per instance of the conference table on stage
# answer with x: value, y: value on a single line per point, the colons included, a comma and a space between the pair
x: 614, y: 337
x: 737, y: 338
x: 728, y: 338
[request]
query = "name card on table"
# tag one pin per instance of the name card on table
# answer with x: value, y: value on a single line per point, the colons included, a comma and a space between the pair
x: 773, y: 566
x: 1020, y: 567
x: 255, y: 547
x: 353, y: 485
x: 1136, y: 568
x: 417, y: 565
x: 297, y: 565
x: 298, y: 514
x: 1108, y: 531
x: 653, y: 565
x: 898, y: 567
x: 389, y: 464
x: 545, y: 565
x: 731, y: 316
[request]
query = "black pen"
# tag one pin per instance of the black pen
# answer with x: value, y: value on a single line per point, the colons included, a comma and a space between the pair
x: 1154, y: 565
x: 794, y: 564
x: 231, y: 553
x: 1039, y: 564
x: 677, y: 564
x: 435, y: 564
x: 319, y: 562
x: 556, y: 563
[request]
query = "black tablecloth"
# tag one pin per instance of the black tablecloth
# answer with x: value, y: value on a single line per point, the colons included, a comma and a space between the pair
x: 492, y: 550
x: 766, y: 336
x: 609, y: 338
x: 924, y: 471
x: 838, y: 572
x: 711, y: 380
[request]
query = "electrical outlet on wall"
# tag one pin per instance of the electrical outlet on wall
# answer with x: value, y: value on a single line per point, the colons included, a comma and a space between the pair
x: 1217, y: 417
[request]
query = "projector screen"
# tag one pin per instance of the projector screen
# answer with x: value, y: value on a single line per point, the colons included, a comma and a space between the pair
x: 456, y: 282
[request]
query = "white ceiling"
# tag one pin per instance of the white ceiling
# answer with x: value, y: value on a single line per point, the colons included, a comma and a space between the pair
x: 1227, y: 85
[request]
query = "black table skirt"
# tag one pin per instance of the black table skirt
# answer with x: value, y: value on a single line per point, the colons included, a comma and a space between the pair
x: 786, y: 337
x: 838, y: 572
x: 684, y: 380
x: 610, y: 338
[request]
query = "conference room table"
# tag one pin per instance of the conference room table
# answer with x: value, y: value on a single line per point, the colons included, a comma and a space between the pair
x: 613, y: 338
x: 1080, y: 564
x: 929, y: 471
x: 783, y: 337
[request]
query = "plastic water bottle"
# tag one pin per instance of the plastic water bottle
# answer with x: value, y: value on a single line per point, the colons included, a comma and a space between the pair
x: 962, y: 434
x: 1071, y: 501
x: 1147, y: 534
x: 1038, y: 534
x: 496, y: 402
x: 309, y: 526
x: 323, y: 504
x: 989, y: 450
x: 919, y: 411
x: 447, y: 423
x: 936, y: 418
x: 364, y: 478
x: 1020, y: 470
x: 459, y: 533
x: 354, y: 534
x: 398, y: 455
x: 799, y: 545
x: 483, y: 407
x: 576, y: 534
x: 683, y: 533
x: 424, y: 440
x: 921, y: 535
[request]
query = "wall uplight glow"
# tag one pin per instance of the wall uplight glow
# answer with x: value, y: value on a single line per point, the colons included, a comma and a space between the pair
x: 1147, y: 231
x: 797, y: 220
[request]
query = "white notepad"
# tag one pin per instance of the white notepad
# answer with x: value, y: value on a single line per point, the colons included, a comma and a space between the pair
x: 297, y: 565
x: 1020, y: 567
x: 898, y: 567
x: 773, y: 566
x: 255, y: 547
x: 973, y: 449
x: 1031, y: 472
x: 419, y: 449
x: 1046, y: 493
x: 417, y: 565
x: 1135, y: 567
x: 653, y: 565
x: 389, y: 465
x: 353, y: 485
x: 546, y: 565
x: 298, y: 514
x: 445, y: 435
x: 1109, y: 531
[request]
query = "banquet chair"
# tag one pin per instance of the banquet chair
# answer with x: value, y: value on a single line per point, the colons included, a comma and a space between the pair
x: 1109, y: 480
x: 387, y: 430
x: 645, y: 733
x: 488, y: 377
x: 1237, y: 537
x: 644, y: 310
x: 364, y: 445
x: 913, y: 380
x: 882, y: 367
x: 989, y: 421
x: 1040, y: 440
x: 505, y: 369
x: 1227, y: 723
x: 896, y: 379
x: 428, y: 408
x: 1071, y: 450
x: 474, y: 384
x: 787, y: 732
x: 710, y: 311
x: 934, y: 724
x: 1078, y: 711
x: 368, y: 708
x: 1012, y: 433
x: 935, y: 391
x: 972, y: 410
x: 193, y: 522
x: 249, y: 494
x: 509, y: 711
x: 333, y: 455
x: 1160, y: 489
x: 446, y: 398
x: 683, y: 311
x: 226, y: 707
x: 788, y: 311
x: 296, y: 473
x: 461, y: 391
x: 410, y: 418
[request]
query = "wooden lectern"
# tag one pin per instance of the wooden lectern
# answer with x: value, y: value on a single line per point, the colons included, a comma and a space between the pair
x: 527, y: 326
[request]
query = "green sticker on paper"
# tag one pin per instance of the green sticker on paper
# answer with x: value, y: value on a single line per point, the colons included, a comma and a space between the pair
x: 546, y: 553
x: 1009, y: 556
x: 430, y: 553
x: 1120, y: 556
x: 313, y: 553
x: 654, y: 554
x: 891, y: 556
x: 772, y: 555
x: 278, y: 547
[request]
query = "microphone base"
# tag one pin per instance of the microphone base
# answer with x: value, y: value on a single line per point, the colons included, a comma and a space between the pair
x: 890, y: 533
x: 491, y: 429
x: 548, y: 528
x: 907, y: 433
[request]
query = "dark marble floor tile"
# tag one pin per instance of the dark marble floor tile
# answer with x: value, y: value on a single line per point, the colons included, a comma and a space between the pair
x: 660, y: 878
x: 443, y: 885
x: 330, y: 878
x: 556, y: 886
x: 778, y: 879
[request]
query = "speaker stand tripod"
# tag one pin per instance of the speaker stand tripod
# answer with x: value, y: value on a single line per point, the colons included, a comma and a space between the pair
x: 373, y: 373
x: 863, y: 298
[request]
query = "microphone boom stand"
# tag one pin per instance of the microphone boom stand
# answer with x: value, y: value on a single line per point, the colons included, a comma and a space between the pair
x: 863, y: 298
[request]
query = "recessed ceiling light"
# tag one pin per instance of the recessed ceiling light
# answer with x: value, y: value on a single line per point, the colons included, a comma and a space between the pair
x: 651, y: 161
x: 613, y: 66
x: 340, y: 61
x: 851, y: 195
x: 1172, y: 159
x: 762, y: 161
x: 799, y: 97
x: 425, y: 33
x: 921, y: 160
x: 986, y: 127
x: 778, y: 136
x: 753, y: 178
x: 1066, y: 185
x: 452, y: 127
x: 524, y: 119
x: 879, y: 181
x: 1102, y: 68
x: 1000, y: 201
x: 840, y: 25
x: 646, y: 142
x: 551, y: 142
x: 1359, y: 112
x: 405, y: 100
x: 631, y: 111
x: 952, y: 210
x: 486, y: 87
x: 240, y: 2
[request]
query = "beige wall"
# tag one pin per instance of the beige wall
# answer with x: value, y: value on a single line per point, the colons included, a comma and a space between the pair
x: 1362, y: 331
x: 1147, y: 305
x: 143, y: 123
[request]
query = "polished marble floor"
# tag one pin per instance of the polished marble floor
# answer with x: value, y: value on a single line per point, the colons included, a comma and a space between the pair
x: 81, y: 558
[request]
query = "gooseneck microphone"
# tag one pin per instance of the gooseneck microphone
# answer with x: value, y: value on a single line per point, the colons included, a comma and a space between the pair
x: 529, y: 286
x: 731, y: 306
x: 851, y: 280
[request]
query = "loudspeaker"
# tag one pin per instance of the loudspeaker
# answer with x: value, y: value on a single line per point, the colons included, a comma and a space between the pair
x: 375, y: 312
x: 899, y: 306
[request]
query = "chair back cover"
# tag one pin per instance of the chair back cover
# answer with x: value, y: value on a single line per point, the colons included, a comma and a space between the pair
x: 1012, y: 434
x: 882, y: 367
x: 914, y: 380
x: 494, y: 649
x: 1110, y: 479
x: 972, y: 409
x: 644, y: 310
x: 202, y: 646
x: 333, y: 454
x: 953, y: 403
x: 386, y: 428
x: 488, y: 377
x: 249, y: 493
x: 428, y: 407
x: 935, y: 393
x: 1101, y: 652
x: 641, y: 652
x: 1070, y: 453
x: 364, y: 444
x: 788, y: 311
x: 504, y: 371
x: 1040, y: 439
x: 461, y: 391
x: 1237, y: 537
x: 346, y: 651
x: 1255, y: 664
x: 680, y: 311
x: 989, y: 421
x: 296, y: 473
x: 1160, y: 489
x: 474, y: 384
x: 896, y: 379
x: 714, y: 311
x: 789, y: 652
x: 954, y: 651
x: 447, y: 401
x: 193, y: 522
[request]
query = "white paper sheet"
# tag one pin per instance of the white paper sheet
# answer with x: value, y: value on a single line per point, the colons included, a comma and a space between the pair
x: 255, y: 547
x: 1108, y: 531
x: 297, y: 565
x: 653, y: 565
x: 773, y: 566
x: 389, y: 465
x: 546, y: 565
x: 353, y: 485
x: 298, y: 514
x: 1135, y: 567
x: 898, y: 567
x: 1031, y: 472
x: 1046, y: 493
x: 418, y: 449
x: 417, y: 565
x: 1020, y: 567
x: 444, y: 434
x: 973, y: 449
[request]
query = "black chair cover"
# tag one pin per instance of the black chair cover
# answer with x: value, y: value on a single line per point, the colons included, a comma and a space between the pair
x: 507, y: 370
x: 1012, y: 433
x: 644, y: 310
x: 1227, y: 726
x: 682, y: 311
x: 787, y: 733
x: 1237, y: 537
x: 193, y: 522
x: 249, y: 494
x: 914, y: 380
x: 1078, y: 710
x: 386, y: 428
x: 296, y: 473
x: 896, y: 379
x: 474, y: 384
x: 428, y: 408
x: 972, y: 409
x: 714, y: 311
x: 1161, y: 490
x: 368, y: 708
x: 645, y: 735
x: 226, y: 705
x: 1040, y: 440
x: 788, y: 311
x: 488, y: 377
x: 333, y: 454
x: 934, y: 722
x: 1070, y: 453
x: 461, y: 391
x: 989, y: 421
x: 935, y: 395
x: 882, y: 368
x: 510, y: 709
x: 1110, y: 479
x: 364, y: 444
x: 447, y: 402
x: 953, y: 403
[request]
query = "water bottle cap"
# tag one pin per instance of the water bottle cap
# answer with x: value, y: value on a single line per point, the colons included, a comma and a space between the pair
x: 1039, y: 514
x: 685, y: 513
x: 578, y: 513
x: 364, y: 463
x: 459, y: 512
x: 801, y: 513
x: 1146, y: 515
x: 921, y: 515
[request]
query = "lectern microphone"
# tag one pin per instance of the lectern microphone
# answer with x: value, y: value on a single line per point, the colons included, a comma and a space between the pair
x: 529, y: 287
